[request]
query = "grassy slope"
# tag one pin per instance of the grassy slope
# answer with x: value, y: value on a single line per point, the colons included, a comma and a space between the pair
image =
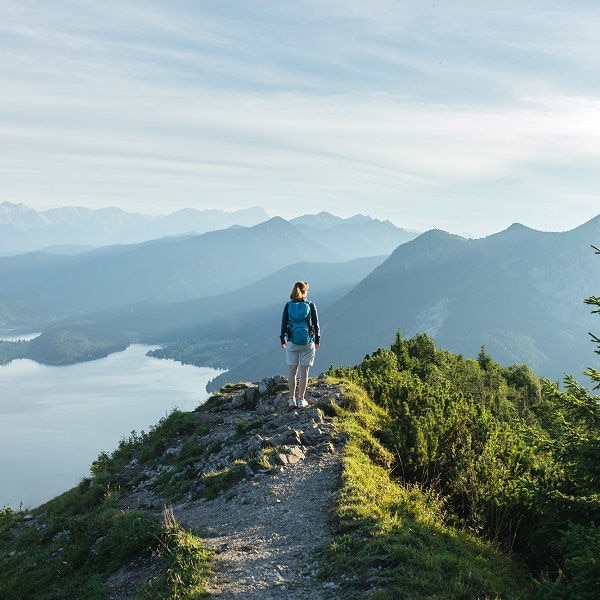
x: 391, y: 540
x: 68, y: 547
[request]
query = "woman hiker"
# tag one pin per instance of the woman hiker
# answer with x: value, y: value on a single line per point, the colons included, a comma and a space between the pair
x: 300, y: 340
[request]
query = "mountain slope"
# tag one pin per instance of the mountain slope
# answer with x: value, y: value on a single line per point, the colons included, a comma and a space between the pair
x: 174, y: 269
x: 169, y: 269
x: 354, y: 237
x: 519, y: 293
x: 241, y: 321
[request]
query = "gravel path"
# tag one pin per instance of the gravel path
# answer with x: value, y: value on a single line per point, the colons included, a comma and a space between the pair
x: 266, y: 535
x: 267, y: 529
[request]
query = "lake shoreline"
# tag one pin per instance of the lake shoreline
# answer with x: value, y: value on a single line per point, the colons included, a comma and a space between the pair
x: 18, y: 341
x: 55, y: 420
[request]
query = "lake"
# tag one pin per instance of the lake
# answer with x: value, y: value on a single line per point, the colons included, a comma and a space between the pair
x: 54, y: 421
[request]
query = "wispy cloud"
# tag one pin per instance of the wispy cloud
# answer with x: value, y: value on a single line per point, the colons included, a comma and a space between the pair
x: 462, y: 117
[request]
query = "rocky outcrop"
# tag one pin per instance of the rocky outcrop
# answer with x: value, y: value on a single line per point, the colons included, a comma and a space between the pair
x: 279, y: 474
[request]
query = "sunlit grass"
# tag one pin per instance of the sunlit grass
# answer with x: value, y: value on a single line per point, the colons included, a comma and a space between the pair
x: 391, y: 541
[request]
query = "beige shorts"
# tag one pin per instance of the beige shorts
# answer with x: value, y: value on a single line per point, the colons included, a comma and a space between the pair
x: 300, y: 355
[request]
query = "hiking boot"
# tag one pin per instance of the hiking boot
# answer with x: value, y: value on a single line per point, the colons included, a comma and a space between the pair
x: 302, y: 403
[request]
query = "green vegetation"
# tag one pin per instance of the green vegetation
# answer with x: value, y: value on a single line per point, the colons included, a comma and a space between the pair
x: 176, y: 471
x: 188, y: 564
x: 62, y: 347
x: 68, y: 547
x: 451, y: 461
x: 213, y: 354
x: 394, y: 539
x: 67, y: 551
x: 11, y: 350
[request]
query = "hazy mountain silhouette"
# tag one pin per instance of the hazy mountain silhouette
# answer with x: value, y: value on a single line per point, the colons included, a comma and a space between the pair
x: 519, y: 293
x: 354, y: 237
x: 243, y: 319
x: 174, y: 269
x: 168, y: 269
x: 23, y: 229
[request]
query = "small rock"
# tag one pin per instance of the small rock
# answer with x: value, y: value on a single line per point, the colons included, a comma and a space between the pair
x: 330, y: 585
x: 172, y: 453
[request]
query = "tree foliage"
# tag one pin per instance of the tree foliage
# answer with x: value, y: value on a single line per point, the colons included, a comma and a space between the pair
x: 514, y: 458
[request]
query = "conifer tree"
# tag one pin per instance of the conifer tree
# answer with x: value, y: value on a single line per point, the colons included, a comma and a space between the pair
x: 592, y: 372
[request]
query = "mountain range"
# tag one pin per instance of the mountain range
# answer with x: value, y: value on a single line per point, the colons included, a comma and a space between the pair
x: 519, y: 293
x: 23, y: 229
x: 72, y: 229
x: 216, y: 298
x: 176, y: 269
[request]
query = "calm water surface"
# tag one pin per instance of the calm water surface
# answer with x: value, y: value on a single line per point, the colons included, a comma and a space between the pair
x: 54, y: 421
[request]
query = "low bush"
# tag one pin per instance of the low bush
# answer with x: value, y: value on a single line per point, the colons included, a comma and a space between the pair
x: 512, y: 459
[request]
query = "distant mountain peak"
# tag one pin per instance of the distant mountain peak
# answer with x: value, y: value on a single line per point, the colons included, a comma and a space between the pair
x: 434, y: 245
x: 437, y: 236
x: 441, y: 234
x: 19, y: 216
x: 516, y: 231
x: 326, y: 220
x: 518, y: 228
x: 13, y: 206
x: 322, y: 220
x: 273, y: 222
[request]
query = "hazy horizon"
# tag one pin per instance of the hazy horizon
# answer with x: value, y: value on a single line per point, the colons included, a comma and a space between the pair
x: 464, y: 116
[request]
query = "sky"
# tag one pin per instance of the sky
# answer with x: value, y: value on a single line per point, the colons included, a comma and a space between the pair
x: 465, y: 115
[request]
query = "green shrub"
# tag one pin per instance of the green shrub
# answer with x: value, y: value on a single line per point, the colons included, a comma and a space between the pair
x: 391, y: 541
x: 580, y: 576
x: 215, y: 483
x: 514, y: 459
x: 187, y: 564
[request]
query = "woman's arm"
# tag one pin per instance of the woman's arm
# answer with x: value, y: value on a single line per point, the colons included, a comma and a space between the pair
x: 315, y: 322
x: 284, y: 323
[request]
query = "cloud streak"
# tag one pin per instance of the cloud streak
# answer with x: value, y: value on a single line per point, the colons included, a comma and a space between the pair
x: 431, y: 116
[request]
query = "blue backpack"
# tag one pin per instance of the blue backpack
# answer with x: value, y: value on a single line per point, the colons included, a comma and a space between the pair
x: 300, y: 323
